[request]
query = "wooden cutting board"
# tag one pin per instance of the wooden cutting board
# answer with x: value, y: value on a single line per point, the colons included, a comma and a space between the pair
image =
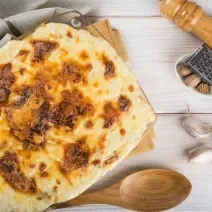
x: 103, y: 29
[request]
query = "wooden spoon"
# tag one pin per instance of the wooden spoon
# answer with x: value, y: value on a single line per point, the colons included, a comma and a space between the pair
x: 149, y: 190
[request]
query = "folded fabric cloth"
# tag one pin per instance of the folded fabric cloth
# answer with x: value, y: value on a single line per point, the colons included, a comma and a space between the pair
x: 17, y: 17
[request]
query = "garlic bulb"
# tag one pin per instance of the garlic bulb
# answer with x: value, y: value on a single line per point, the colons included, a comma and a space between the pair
x: 200, y: 155
x: 196, y: 127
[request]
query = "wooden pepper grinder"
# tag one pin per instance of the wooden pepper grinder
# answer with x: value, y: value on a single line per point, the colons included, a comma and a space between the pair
x: 190, y: 17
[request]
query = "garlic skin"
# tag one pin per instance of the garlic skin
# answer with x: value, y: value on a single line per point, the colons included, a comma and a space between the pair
x: 200, y: 155
x: 196, y: 128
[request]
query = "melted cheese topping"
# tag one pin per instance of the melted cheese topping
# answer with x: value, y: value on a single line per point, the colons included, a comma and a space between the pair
x: 70, y: 111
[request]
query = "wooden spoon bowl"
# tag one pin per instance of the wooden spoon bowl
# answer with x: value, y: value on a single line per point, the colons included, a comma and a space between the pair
x: 149, y: 190
x: 154, y: 190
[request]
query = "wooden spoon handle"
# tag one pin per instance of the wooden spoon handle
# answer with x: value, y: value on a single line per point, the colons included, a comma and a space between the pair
x: 110, y: 196
x: 190, y: 17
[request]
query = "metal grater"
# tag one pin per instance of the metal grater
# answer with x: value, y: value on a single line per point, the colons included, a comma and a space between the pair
x: 201, y: 63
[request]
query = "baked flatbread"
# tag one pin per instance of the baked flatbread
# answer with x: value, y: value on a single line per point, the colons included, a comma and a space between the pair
x: 70, y: 110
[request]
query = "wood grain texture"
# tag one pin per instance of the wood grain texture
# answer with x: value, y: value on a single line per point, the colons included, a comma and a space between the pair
x: 172, y: 145
x: 132, y: 8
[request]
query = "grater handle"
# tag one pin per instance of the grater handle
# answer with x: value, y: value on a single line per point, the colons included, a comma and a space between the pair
x: 190, y: 17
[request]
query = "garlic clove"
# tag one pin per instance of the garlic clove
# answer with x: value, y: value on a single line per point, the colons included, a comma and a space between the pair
x: 196, y: 127
x: 200, y: 155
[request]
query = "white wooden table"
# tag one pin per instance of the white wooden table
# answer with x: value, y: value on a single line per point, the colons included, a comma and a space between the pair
x: 154, y: 44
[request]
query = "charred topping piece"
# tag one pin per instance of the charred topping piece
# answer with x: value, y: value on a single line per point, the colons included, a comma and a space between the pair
x: 88, y: 124
x: 42, y: 168
x: 73, y: 106
x: 42, y: 125
x: 76, y: 156
x: 23, y: 54
x: 75, y: 72
x: 111, y: 115
x: 124, y: 103
x: 29, y: 144
x: 110, y: 70
x: 96, y: 162
x: 6, y: 80
x: 10, y: 170
x: 25, y: 94
x: 4, y: 95
x: 42, y: 49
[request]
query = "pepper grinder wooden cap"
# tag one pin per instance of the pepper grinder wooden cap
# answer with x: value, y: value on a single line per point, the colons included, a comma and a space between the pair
x: 190, y: 17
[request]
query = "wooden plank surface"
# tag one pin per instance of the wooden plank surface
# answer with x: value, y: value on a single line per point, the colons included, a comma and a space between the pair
x: 172, y: 145
x: 132, y: 8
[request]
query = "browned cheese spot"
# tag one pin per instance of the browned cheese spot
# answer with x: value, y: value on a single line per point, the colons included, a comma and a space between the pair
x: 6, y: 80
x: 10, y: 170
x: 73, y: 106
x: 123, y: 132
x: 55, y: 189
x: 43, y: 196
x: 24, y: 95
x: 110, y: 70
x: 29, y: 144
x: 124, y: 103
x: 76, y: 156
x: 131, y: 88
x: 44, y: 174
x: 96, y: 84
x: 96, y: 162
x: 112, y: 159
x: 22, y: 70
x: 42, y: 49
x: 58, y: 182
x: 88, y: 67
x: 133, y: 117
x: 111, y: 115
x: 84, y: 55
x: 23, y: 54
x: 3, y: 144
x: 40, y: 87
x: 32, y: 166
x: 42, y: 169
x: 43, y: 114
x: 69, y: 34
x: 75, y: 72
x: 34, y: 122
x: 89, y: 124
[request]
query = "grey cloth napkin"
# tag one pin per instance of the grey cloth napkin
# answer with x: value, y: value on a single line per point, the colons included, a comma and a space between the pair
x: 20, y: 16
